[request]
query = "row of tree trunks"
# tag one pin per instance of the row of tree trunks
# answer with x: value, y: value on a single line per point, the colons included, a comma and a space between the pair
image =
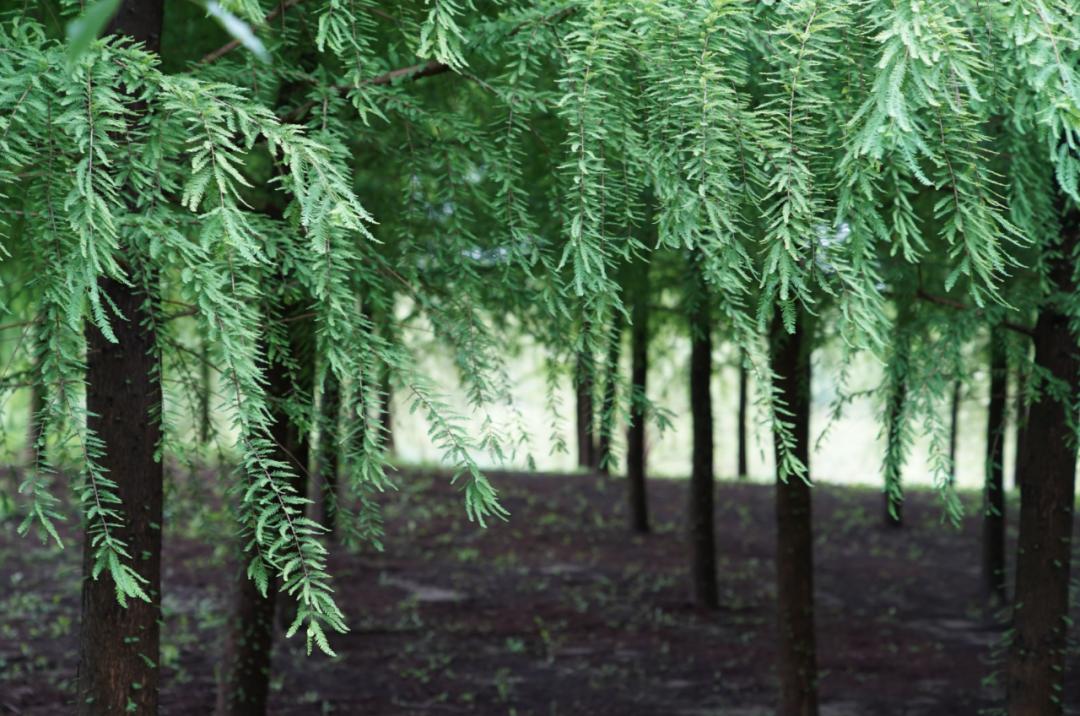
x: 796, y: 645
x: 118, y: 647
x: 1036, y: 661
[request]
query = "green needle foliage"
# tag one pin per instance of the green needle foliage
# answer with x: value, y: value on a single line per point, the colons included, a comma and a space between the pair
x: 488, y: 160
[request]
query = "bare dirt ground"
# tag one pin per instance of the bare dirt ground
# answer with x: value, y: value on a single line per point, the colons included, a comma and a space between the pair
x: 558, y: 612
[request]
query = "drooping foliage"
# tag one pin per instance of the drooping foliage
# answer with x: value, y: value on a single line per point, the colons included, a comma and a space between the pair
x: 478, y: 160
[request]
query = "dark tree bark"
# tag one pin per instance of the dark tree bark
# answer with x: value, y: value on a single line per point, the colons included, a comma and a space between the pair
x: 386, y: 415
x: 700, y: 522
x: 1036, y: 662
x: 611, y: 387
x: 742, y: 472
x: 245, y: 680
x: 994, y: 492
x: 637, y: 492
x: 205, y: 388
x: 583, y: 399
x: 328, y: 451
x: 894, y: 459
x: 894, y: 503
x: 246, y: 662
x: 298, y: 436
x: 1021, y: 422
x: 954, y: 429
x: 797, y: 657
x: 245, y: 665
x: 118, y: 647
x: 37, y: 405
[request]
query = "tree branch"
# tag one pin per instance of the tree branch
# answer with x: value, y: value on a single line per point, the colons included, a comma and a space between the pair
x: 233, y: 44
x: 417, y: 71
x: 957, y: 305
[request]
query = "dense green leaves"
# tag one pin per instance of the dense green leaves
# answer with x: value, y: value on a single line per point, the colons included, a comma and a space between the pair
x: 485, y: 171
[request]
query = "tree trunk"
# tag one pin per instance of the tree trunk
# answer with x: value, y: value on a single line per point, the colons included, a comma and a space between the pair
x: 328, y: 451
x: 894, y: 457
x: 611, y: 387
x: 797, y: 660
x: 583, y: 392
x: 118, y: 647
x: 245, y: 677
x: 1036, y: 663
x: 954, y: 430
x: 702, y: 531
x: 1021, y: 420
x: 994, y: 493
x: 245, y: 685
x: 246, y: 662
x: 637, y: 492
x: 37, y: 404
x: 386, y: 415
x: 298, y: 436
x: 742, y: 472
x: 205, y: 388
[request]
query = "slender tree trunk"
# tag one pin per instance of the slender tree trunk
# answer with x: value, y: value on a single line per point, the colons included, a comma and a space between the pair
x: 611, y: 387
x: 1036, y: 662
x: 994, y: 493
x: 205, y: 388
x: 249, y: 647
x: 37, y: 405
x: 245, y: 677
x: 328, y: 450
x: 586, y: 434
x: 246, y: 662
x: 118, y: 647
x: 742, y: 471
x: 894, y: 500
x: 386, y: 414
x: 637, y: 492
x: 298, y: 444
x: 702, y: 531
x: 954, y: 429
x: 797, y: 658
x: 1021, y: 421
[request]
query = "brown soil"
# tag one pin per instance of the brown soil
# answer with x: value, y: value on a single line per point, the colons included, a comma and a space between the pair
x: 558, y: 612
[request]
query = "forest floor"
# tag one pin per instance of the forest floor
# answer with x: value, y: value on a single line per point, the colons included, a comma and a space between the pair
x: 558, y: 612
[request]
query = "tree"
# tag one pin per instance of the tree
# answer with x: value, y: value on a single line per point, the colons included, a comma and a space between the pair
x: 610, y: 394
x: 993, y: 523
x: 118, y: 641
x: 742, y: 461
x: 330, y: 449
x: 636, y: 484
x: 816, y: 158
x: 797, y: 665
x: 1036, y: 660
x: 700, y: 512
